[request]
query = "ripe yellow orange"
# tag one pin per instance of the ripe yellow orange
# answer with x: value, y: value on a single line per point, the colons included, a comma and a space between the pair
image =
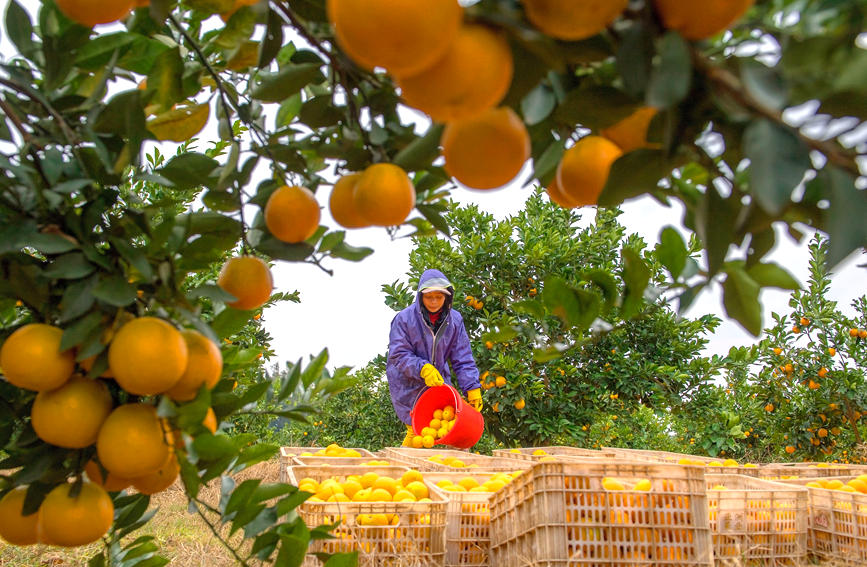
x: 573, y: 19
x: 790, y: 449
x: 341, y: 202
x: 427, y: 441
x: 500, y: 381
x: 388, y: 483
x: 778, y: 351
x: 556, y: 194
x: 15, y: 527
x: 71, y: 415
x: 862, y: 333
x: 31, y: 358
x: 92, y: 12
x: 248, y: 279
x: 403, y: 36
x: 584, y: 169
x: 147, y: 356
x: 700, y: 20
x: 472, y: 76
x: 160, y: 479
x: 832, y: 351
x: 519, y: 405
x: 448, y: 413
x: 486, y: 151
x: 384, y: 195
x: 769, y: 408
x: 292, y: 214
x: 132, y: 441
x: 418, y: 489
x: 110, y: 482
x: 71, y: 522
x: 204, y: 366
x: 631, y: 132
x: 210, y: 421
x: 417, y: 441
x: 822, y: 432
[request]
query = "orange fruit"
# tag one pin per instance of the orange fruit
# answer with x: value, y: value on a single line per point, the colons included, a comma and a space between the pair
x: 15, y: 527
x: 790, y: 449
x: 341, y: 202
x: 418, y: 489
x: 71, y: 415
x: 822, y: 432
x: 500, y: 381
x: 832, y: 351
x: 248, y: 279
x: 769, y: 408
x: 403, y: 36
x: 384, y: 195
x: 584, y: 169
x: 204, y: 366
x: 31, y: 358
x: 132, y: 441
x: 147, y: 356
x: 573, y: 19
x: 92, y: 12
x: 411, y: 475
x: 556, y: 194
x: 108, y: 481
x: 473, y: 75
x: 486, y: 151
x: 71, y: 522
x: 160, y: 479
x: 292, y: 214
x: 519, y: 405
x: 700, y: 20
x: 428, y: 441
x: 862, y: 333
x: 631, y: 132
x: 387, y: 483
x: 210, y: 421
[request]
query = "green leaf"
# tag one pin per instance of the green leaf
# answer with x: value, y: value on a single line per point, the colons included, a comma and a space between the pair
x: 672, y: 252
x: 531, y: 307
x: 634, y: 174
x: 771, y: 274
x: 213, y: 447
x: 20, y: 28
x: 99, y: 51
x: 273, y: 40
x: 77, y: 299
x: 275, y: 87
x: 545, y: 165
x: 315, y: 368
x: 79, y: 331
x: 500, y: 335
x: 595, y: 107
x: 635, y: 58
x: 279, y: 250
x: 575, y: 307
x: 230, y: 321
x: 606, y: 284
x: 331, y: 240
x: 164, y: 78
x: 741, y: 299
x: 70, y: 266
x: 347, y: 559
x: 764, y: 83
x: 778, y: 161
x: 636, y: 276
x: 538, y: 104
x: 435, y: 217
x: 320, y: 112
x: 715, y: 220
x: 189, y: 170
x: 421, y: 152
x: 136, y: 257
x: 115, y: 290
x: 671, y: 78
x: 49, y: 243
x: 123, y: 116
x: 845, y: 217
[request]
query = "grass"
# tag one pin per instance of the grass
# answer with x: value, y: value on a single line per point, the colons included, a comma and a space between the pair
x: 183, y: 538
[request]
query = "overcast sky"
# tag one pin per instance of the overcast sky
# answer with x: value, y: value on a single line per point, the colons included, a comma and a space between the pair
x: 346, y: 313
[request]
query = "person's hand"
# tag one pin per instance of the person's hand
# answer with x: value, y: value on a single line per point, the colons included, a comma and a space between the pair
x: 407, y: 441
x: 474, y: 397
x: 431, y: 375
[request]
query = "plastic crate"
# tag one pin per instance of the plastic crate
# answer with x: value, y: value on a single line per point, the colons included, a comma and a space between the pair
x: 558, y: 514
x: 526, y: 453
x: 837, y: 523
x: 468, y: 521
x: 414, y: 535
x: 794, y: 471
x: 288, y: 453
x: 342, y: 461
x: 419, y: 458
x: 757, y: 522
x: 674, y: 458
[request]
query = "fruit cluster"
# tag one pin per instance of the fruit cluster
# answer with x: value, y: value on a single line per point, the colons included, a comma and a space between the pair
x: 441, y: 423
x: 368, y: 487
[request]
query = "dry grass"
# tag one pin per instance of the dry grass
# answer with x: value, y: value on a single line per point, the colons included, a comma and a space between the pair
x: 182, y: 537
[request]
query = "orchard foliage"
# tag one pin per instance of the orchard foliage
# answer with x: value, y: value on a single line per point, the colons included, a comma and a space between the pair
x: 97, y: 226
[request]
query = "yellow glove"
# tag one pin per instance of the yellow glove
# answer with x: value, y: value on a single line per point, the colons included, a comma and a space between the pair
x: 407, y: 441
x: 431, y: 375
x: 474, y: 397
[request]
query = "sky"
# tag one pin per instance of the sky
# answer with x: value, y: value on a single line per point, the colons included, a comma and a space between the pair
x: 346, y: 312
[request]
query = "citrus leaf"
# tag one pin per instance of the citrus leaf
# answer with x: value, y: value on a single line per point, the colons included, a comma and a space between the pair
x: 671, y: 78
x: 180, y: 124
x: 636, y: 276
x: 595, y: 107
x: 778, y: 161
x: 276, y: 87
x: 741, y: 299
x: 115, y: 290
x: 770, y: 274
x: 671, y: 251
x: 421, y: 152
x: 634, y: 174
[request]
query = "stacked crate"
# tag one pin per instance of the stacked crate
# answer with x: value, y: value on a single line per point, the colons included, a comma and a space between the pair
x: 287, y: 454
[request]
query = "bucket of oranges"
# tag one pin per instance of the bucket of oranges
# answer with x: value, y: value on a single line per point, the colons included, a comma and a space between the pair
x: 442, y: 417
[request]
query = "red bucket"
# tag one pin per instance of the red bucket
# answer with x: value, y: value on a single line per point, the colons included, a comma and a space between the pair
x: 469, y: 424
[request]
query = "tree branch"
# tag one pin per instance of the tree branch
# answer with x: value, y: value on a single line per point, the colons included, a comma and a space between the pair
x: 214, y: 531
x: 732, y: 85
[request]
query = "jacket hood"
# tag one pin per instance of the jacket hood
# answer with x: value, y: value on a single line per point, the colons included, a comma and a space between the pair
x: 435, y: 278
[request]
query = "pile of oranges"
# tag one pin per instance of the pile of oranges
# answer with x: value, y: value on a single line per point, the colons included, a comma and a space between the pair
x: 856, y: 485
x: 368, y: 487
x: 333, y: 450
x: 470, y: 484
x: 441, y: 423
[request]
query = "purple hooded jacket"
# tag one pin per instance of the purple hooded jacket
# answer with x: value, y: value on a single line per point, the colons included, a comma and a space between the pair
x: 412, y: 344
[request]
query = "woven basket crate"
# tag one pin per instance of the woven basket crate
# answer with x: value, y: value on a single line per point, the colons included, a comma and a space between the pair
x: 418, y: 458
x: 757, y: 522
x: 414, y: 536
x: 558, y: 514
x: 468, y: 538
x: 288, y: 453
x: 837, y: 523
x: 526, y: 453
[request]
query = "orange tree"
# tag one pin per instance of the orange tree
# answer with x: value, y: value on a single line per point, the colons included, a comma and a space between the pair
x: 557, y: 355
x: 645, y: 97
